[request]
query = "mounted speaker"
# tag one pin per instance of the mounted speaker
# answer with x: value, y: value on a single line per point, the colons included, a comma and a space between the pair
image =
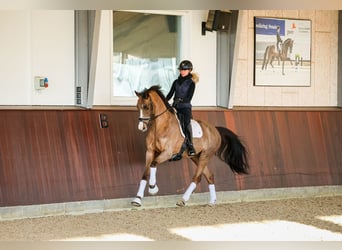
x: 216, y: 21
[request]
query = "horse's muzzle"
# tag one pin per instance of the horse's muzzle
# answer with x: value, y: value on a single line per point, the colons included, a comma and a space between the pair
x: 142, y: 126
x: 143, y: 123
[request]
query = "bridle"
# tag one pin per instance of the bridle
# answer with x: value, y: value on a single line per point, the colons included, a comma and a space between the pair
x: 148, y: 120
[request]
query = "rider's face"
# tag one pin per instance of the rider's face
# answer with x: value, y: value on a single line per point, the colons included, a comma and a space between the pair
x: 184, y: 72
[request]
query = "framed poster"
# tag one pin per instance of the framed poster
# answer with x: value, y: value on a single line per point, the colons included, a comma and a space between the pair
x: 282, y: 52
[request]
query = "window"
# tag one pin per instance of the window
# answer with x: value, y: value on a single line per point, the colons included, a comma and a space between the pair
x: 146, y: 49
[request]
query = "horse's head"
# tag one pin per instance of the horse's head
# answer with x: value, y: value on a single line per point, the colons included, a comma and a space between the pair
x: 145, y: 108
x: 288, y: 45
x: 291, y: 45
x: 151, y: 104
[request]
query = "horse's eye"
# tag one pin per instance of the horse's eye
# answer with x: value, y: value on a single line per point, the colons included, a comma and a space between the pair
x: 144, y: 106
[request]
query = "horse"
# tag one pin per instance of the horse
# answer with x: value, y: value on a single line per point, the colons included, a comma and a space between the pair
x: 164, y: 139
x: 271, y: 53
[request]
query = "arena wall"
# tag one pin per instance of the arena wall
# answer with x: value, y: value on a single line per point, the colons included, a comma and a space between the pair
x: 54, y: 155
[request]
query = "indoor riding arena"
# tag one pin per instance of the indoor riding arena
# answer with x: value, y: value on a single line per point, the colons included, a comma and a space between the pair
x: 72, y: 154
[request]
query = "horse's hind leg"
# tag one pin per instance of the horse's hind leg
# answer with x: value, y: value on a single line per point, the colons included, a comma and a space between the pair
x: 209, y: 176
x: 201, y: 165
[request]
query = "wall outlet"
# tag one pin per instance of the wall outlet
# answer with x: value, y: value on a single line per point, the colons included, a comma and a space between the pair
x: 40, y: 82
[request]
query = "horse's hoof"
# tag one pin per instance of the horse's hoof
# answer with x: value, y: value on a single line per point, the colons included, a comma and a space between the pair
x: 181, y: 203
x: 154, y: 190
x: 136, y: 202
x: 212, y: 204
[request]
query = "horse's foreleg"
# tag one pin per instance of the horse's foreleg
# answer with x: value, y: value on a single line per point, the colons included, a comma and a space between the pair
x: 140, y: 194
x: 153, y: 188
x: 152, y: 170
x: 265, y: 61
x: 271, y: 61
x: 149, y: 175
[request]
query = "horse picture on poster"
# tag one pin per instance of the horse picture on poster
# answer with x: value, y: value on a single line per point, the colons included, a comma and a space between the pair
x: 271, y: 53
x: 164, y: 140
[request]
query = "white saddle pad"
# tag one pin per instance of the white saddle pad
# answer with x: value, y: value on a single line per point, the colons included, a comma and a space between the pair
x: 196, y: 129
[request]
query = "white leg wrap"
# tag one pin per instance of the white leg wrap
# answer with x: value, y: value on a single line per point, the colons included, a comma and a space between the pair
x: 153, y: 178
x: 141, y: 189
x: 212, y: 194
x: 188, y: 192
x: 140, y: 125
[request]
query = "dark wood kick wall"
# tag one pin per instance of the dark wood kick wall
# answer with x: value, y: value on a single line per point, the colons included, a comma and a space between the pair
x: 49, y: 156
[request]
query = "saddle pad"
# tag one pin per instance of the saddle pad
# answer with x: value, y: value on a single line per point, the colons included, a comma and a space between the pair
x: 196, y: 129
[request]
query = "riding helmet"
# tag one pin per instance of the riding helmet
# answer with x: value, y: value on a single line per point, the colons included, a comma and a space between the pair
x: 186, y: 64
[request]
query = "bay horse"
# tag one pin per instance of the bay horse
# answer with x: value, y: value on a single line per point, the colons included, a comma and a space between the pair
x: 164, y: 139
x: 271, y: 53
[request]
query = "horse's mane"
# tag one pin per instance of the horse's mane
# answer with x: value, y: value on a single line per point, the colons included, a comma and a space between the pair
x: 157, y: 89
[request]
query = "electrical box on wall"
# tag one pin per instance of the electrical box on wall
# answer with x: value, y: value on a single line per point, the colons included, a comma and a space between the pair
x: 41, y: 82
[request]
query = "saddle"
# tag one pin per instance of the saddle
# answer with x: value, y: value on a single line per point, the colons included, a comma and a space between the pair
x: 196, y: 128
x: 196, y: 133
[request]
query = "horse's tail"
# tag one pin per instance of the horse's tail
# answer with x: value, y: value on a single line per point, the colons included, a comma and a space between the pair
x: 232, y: 151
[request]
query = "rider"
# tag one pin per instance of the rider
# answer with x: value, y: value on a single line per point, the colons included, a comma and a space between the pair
x: 279, y: 41
x: 183, y: 88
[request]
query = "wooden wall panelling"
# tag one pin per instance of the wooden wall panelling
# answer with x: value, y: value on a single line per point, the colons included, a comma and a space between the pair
x: 128, y: 150
x: 332, y: 128
x: 49, y: 156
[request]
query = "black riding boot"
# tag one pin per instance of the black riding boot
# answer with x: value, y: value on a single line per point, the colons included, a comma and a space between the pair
x: 191, y: 150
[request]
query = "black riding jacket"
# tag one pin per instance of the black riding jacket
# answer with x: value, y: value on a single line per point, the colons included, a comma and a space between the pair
x: 183, y: 88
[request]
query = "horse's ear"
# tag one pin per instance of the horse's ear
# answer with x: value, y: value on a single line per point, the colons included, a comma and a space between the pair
x: 144, y: 95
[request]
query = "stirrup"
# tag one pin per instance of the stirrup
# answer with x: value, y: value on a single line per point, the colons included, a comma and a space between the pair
x: 191, y: 153
x: 176, y: 157
x: 191, y: 150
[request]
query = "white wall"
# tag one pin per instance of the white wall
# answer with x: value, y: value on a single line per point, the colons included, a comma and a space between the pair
x: 41, y: 42
x: 35, y: 43
x: 52, y: 55
x: 14, y: 58
x: 203, y: 56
